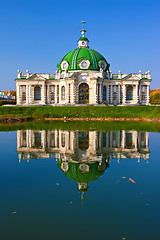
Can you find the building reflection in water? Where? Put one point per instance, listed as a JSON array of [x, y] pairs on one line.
[[82, 155]]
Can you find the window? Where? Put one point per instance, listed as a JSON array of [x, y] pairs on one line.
[[23, 93], [24, 139], [63, 139], [104, 93], [37, 139], [129, 93], [52, 93], [37, 93], [114, 96], [114, 88], [63, 93]]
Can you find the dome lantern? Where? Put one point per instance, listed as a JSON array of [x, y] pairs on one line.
[[83, 41]]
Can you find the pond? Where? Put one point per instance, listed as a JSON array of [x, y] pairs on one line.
[[80, 181]]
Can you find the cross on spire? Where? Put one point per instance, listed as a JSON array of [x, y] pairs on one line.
[[83, 22], [83, 31]]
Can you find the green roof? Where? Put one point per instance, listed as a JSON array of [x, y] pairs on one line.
[[83, 39], [75, 174], [78, 54]]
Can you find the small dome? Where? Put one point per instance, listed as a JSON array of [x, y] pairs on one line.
[[83, 59], [83, 39]]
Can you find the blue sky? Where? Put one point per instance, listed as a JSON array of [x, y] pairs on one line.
[[35, 35]]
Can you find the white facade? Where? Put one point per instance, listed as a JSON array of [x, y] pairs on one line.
[[64, 88]]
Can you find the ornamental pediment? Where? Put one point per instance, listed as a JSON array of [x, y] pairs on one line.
[[84, 77], [131, 77], [37, 77]]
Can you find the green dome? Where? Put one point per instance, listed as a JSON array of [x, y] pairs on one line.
[[75, 56], [83, 39], [77, 175]]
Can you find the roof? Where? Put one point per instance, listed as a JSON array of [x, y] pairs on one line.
[[75, 56], [83, 39]]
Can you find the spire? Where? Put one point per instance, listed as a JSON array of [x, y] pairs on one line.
[[83, 41], [83, 31]]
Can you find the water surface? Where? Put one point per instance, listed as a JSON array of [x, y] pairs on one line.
[[71, 181]]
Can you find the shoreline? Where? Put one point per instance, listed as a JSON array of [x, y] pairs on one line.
[[76, 119], [80, 113]]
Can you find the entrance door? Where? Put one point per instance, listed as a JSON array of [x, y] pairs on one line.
[[83, 93]]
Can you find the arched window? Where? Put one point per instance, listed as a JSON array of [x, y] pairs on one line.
[[129, 93], [83, 139], [83, 93], [63, 93], [104, 93], [37, 93]]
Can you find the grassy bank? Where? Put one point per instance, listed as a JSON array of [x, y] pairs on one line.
[[60, 112], [82, 126]]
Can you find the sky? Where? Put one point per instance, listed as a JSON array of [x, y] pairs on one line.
[[35, 35]]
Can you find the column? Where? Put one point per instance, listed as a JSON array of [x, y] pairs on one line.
[[94, 141], [43, 138], [100, 140], [27, 94], [136, 139], [111, 94], [18, 93], [55, 138], [30, 138], [124, 94], [136, 94], [67, 93], [119, 94], [111, 139], [107, 140], [139, 93], [147, 140], [72, 140], [18, 139], [42, 94], [60, 93], [123, 138], [72, 93], [55, 94], [118, 139], [107, 93], [48, 97], [95, 93], [27, 138], [100, 92], [147, 100]]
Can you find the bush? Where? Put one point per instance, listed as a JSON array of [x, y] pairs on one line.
[[155, 96], [5, 102]]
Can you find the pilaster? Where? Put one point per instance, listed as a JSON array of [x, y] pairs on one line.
[[72, 93], [55, 94], [124, 94], [100, 93], [111, 94], [95, 93], [147, 100], [119, 94], [48, 97], [136, 94], [18, 93]]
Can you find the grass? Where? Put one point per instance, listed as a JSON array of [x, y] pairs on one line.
[[41, 112], [82, 126]]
